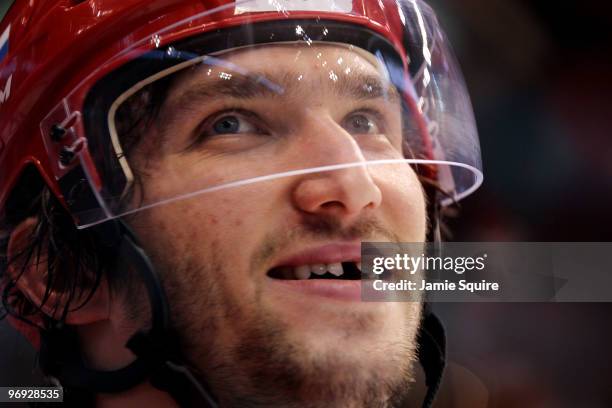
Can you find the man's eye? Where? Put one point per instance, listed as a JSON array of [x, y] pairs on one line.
[[361, 124], [221, 125], [232, 124]]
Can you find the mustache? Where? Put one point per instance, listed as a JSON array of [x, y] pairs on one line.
[[329, 227], [322, 228]]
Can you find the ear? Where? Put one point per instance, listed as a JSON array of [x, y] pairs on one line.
[[31, 280]]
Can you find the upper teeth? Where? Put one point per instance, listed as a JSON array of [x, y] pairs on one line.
[[335, 269], [303, 272], [318, 269]]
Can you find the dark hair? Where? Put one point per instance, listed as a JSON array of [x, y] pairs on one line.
[[55, 238], [76, 259]]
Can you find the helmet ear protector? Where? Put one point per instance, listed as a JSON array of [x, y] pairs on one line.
[[74, 136]]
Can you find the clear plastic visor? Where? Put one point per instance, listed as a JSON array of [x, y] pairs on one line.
[[284, 112]]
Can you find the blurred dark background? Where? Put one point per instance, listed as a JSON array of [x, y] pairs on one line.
[[540, 78]]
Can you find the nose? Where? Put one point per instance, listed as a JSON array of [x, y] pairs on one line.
[[344, 193]]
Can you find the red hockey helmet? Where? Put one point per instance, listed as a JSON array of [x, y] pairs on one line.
[[70, 71]]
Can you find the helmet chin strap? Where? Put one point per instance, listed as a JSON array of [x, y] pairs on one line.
[[432, 353], [432, 336], [158, 358]]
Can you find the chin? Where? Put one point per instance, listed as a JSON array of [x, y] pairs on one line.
[[362, 344], [357, 378]]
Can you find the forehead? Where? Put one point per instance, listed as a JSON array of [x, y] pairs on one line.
[[316, 58], [287, 70]]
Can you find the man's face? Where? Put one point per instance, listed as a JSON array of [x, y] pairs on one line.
[[231, 259]]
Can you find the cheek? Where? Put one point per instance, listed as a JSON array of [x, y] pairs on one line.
[[199, 221], [200, 244], [184, 227], [232, 219]]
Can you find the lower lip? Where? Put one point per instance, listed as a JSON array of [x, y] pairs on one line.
[[347, 290]]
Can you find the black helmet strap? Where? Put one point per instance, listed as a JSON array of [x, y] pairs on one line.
[[432, 353]]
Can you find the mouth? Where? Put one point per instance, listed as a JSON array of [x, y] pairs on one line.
[[332, 271], [348, 270]]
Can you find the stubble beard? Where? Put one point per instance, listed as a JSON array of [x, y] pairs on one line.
[[263, 367]]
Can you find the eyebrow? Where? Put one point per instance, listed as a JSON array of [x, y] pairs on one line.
[[272, 85]]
